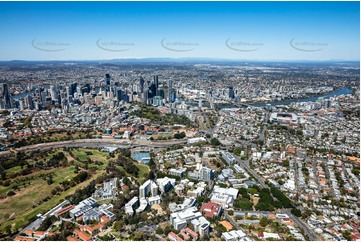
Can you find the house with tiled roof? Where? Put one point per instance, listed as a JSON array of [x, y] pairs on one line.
[[83, 236], [211, 209]]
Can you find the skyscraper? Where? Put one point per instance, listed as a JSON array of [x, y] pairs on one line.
[[170, 91], [119, 94], [6, 96], [29, 102], [230, 92], [156, 82], [107, 79], [141, 84], [53, 93]]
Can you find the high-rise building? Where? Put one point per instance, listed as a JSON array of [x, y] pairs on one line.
[[206, 174], [141, 84], [119, 94], [54, 93], [107, 79], [231, 92], [156, 82], [170, 91], [29, 102], [21, 105], [6, 96], [148, 187], [73, 88]]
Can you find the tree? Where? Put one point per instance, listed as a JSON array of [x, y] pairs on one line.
[[264, 222], [296, 212], [244, 193], [285, 163], [159, 230], [243, 204], [180, 135], [215, 142], [263, 206], [11, 193], [252, 190]]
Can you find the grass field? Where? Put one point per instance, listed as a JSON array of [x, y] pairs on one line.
[[13, 169], [26, 203], [143, 172]]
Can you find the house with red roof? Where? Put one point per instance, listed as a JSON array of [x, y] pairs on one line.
[[83, 236], [23, 238], [191, 233], [211, 209], [71, 238], [174, 237]]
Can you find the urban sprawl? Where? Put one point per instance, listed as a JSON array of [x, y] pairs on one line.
[[179, 151]]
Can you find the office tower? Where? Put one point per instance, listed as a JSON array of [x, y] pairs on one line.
[[6, 96], [73, 87], [107, 80], [36, 106], [156, 82], [200, 103], [21, 105], [29, 102], [43, 97], [119, 94], [161, 93], [68, 93], [141, 84], [169, 91], [230, 92], [152, 91], [53, 93], [85, 88]]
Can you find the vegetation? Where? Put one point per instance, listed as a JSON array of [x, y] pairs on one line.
[[41, 180], [154, 115], [282, 198], [215, 142], [243, 204], [179, 135]]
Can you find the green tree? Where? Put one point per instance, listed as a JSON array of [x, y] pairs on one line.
[[243, 204], [215, 142], [263, 222], [296, 212]]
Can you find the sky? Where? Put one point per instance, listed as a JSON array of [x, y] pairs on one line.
[[230, 30]]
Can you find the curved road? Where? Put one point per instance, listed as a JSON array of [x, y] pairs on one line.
[[95, 143]]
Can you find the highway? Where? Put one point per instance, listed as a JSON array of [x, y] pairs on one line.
[[95, 143]]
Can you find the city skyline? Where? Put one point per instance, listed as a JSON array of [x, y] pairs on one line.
[[291, 31]]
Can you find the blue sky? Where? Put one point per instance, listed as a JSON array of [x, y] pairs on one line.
[[234, 30]]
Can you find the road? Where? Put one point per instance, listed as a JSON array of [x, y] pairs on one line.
[[310, 234], [234, 223], [245, 166], [95, 143]]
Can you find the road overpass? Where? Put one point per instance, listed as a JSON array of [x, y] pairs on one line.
[[94, 143]]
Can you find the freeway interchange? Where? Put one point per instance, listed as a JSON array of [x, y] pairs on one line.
[[94, 143]]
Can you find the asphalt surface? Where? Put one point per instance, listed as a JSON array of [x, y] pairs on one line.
[[95, 143]]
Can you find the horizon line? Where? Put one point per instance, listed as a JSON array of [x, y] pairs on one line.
[[186, 59]]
